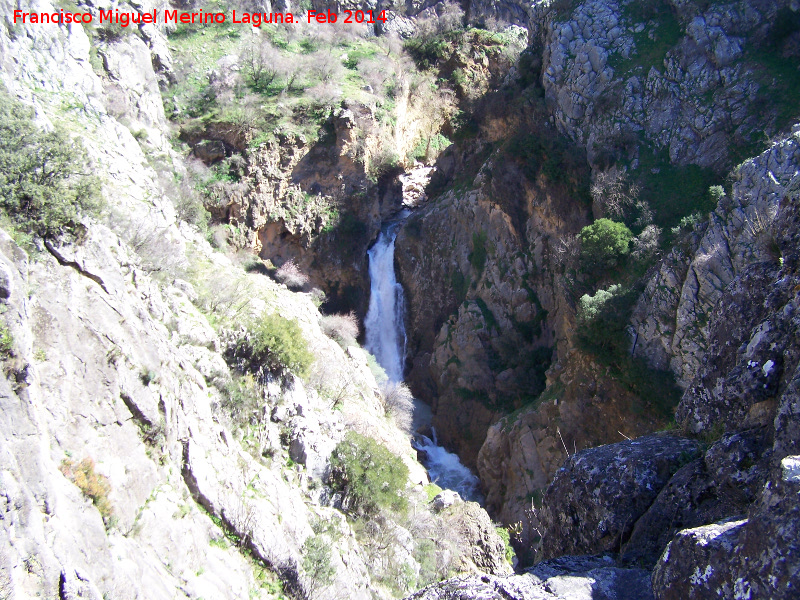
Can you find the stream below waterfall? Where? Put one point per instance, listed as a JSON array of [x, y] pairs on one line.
[[386, 339]]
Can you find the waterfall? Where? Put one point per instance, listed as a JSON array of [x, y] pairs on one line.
[[385, 331], [386, 340]]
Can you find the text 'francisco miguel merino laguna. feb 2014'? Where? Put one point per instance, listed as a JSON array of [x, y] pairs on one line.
[[124, 19]]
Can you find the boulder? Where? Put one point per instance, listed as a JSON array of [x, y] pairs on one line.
[[596, 498], [446, 499]]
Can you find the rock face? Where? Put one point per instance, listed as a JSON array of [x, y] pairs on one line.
[[597, 87], [724, 524], [573, 578], [672, 316], [523, 451], [594, 500], [671, 71], [485, 551]]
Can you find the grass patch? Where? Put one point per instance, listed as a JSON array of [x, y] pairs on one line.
[[666, 32]]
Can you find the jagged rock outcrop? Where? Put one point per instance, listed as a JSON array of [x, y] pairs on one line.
[[477, 312], [726, 524], [672, 316], [598, 89], [674, 71], [523, 451], [594, 500], [572, 578]]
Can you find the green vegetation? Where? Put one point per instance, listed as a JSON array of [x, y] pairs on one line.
[[591, 306], [6, 342], [602, 332], [44, 186], [93, 485], [509, 550], [432, 146], [316, 553], [662, 33], [546, 154], [241, 398], [431, 491], [673, 192], [604, 244], [291, 77], [477, 258], [369, 476], [487, 314], [272, 345], [460, 286]]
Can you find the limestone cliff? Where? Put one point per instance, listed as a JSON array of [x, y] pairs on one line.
[[136, 461]]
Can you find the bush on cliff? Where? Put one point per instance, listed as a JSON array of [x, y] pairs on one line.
[[44, 184], [604, 244], [369, 476], [271, 345]]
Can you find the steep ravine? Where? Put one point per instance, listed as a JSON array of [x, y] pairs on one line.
[[136, 461]]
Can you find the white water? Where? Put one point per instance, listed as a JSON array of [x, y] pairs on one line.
[[446, 470], [386, 334], [386, 340]]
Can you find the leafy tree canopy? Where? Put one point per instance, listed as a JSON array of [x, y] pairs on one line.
[[604, 244], [44, 187]]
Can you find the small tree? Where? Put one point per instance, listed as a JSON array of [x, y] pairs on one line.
[[271, 345], [368, 474], [44, 186], [604, 244], [317, 564]]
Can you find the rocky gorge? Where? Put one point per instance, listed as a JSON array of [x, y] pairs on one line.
[[631, 414]]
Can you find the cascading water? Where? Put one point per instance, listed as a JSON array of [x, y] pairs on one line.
[[446, 470], [386, 333], [386, 340]]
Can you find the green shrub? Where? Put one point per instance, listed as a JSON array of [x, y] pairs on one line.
[[590, 306], [272, 345], [369, 476], [715, 193], [316, 553], [241, 398], [506, 537], [603, 332], [43, 185], [604, 244]]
